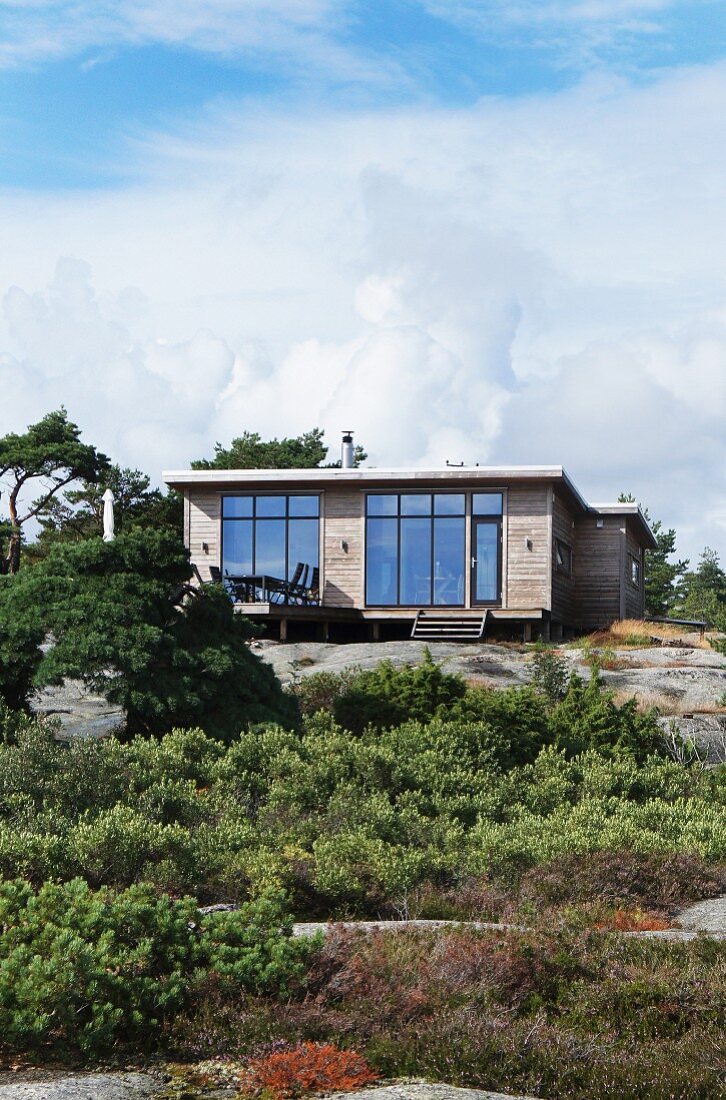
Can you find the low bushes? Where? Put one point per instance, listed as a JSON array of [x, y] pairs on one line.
[[559, 709], [89, 970], [381, 697], [383, 823]]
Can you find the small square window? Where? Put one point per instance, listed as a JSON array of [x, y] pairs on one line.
[[486, 504], [449, 504], [236, 507], [270, 506], [563, 557], [382, 504], [304, 506], [416, 504]]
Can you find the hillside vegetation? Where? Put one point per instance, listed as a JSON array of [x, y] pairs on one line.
[[397, 793]]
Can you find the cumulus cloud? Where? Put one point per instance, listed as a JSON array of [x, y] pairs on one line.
[[135, 394], [528, 281]]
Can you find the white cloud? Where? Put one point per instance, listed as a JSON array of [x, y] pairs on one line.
[[572, 34], [538, 280], [306, 37], [530, 13]]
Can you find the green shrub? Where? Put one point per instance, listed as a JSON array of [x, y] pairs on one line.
[[320, 690], [587, 718], [386, 696], [367, 823], [119, 624], [550, 672], [90, 970]]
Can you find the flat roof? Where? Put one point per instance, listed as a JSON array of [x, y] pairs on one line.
[[180, 479]]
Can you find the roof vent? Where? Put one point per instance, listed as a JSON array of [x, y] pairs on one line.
[[347, 451]]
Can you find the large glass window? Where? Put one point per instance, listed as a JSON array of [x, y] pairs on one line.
[[269, 535], [415, 549]]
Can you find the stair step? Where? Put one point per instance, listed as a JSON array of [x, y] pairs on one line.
[[449, 628]]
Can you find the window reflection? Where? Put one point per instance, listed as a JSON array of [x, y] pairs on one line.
[[486, 504], [449, 536], [415, 556], [269, 535], [486, 571], [382, 561]]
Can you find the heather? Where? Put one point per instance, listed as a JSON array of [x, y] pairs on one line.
[[554, 1015]]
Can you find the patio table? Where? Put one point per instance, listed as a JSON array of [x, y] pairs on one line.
[[247, 586]]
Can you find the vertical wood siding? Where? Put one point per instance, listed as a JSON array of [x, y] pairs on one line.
[[634, 597]]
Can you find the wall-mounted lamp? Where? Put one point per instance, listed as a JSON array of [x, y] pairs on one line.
[[205, 547], [344, 546], [528, 544], [599, 522]]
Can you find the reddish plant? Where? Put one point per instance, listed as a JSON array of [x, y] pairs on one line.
[[633, 920], [306, 1068]]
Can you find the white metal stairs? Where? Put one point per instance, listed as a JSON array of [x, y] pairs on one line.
[[435, 626]]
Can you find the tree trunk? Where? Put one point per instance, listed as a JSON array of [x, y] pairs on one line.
[[11, 563]]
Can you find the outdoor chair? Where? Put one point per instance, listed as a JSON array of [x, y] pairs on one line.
[[312, 592], [216, 578], [298, 584]]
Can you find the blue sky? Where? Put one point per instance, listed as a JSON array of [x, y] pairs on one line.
[[480, 230], [75, 87]]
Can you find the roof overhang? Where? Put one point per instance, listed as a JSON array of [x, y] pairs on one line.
[[371, 475], [225, 480], [630, 511]]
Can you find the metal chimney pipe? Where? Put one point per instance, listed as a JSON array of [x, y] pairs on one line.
[[347, 451]]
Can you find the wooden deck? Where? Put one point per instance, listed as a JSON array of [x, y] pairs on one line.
[[324, 617]]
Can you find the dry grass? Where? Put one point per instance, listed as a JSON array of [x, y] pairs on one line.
[[667, 704], [639, 634], [670, 705], [633, 631]]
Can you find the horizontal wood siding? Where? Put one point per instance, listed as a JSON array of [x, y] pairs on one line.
[[564, 599], [634, 597], [526, 572], [343, 567], [204, 526], [598, 570]]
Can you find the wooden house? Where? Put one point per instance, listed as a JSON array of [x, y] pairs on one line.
[[448, 553]]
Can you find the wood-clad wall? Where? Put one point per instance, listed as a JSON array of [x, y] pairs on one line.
[[564, 597], [599, 591], [526, 576], [598, 569], [204, 512], [634, 597], [343, 584]]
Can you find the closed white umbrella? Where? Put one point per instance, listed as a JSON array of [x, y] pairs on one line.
[[108, 516]]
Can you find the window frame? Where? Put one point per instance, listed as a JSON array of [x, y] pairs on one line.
[[286, 517], [398, 516], [567, 569], [635, 572]]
